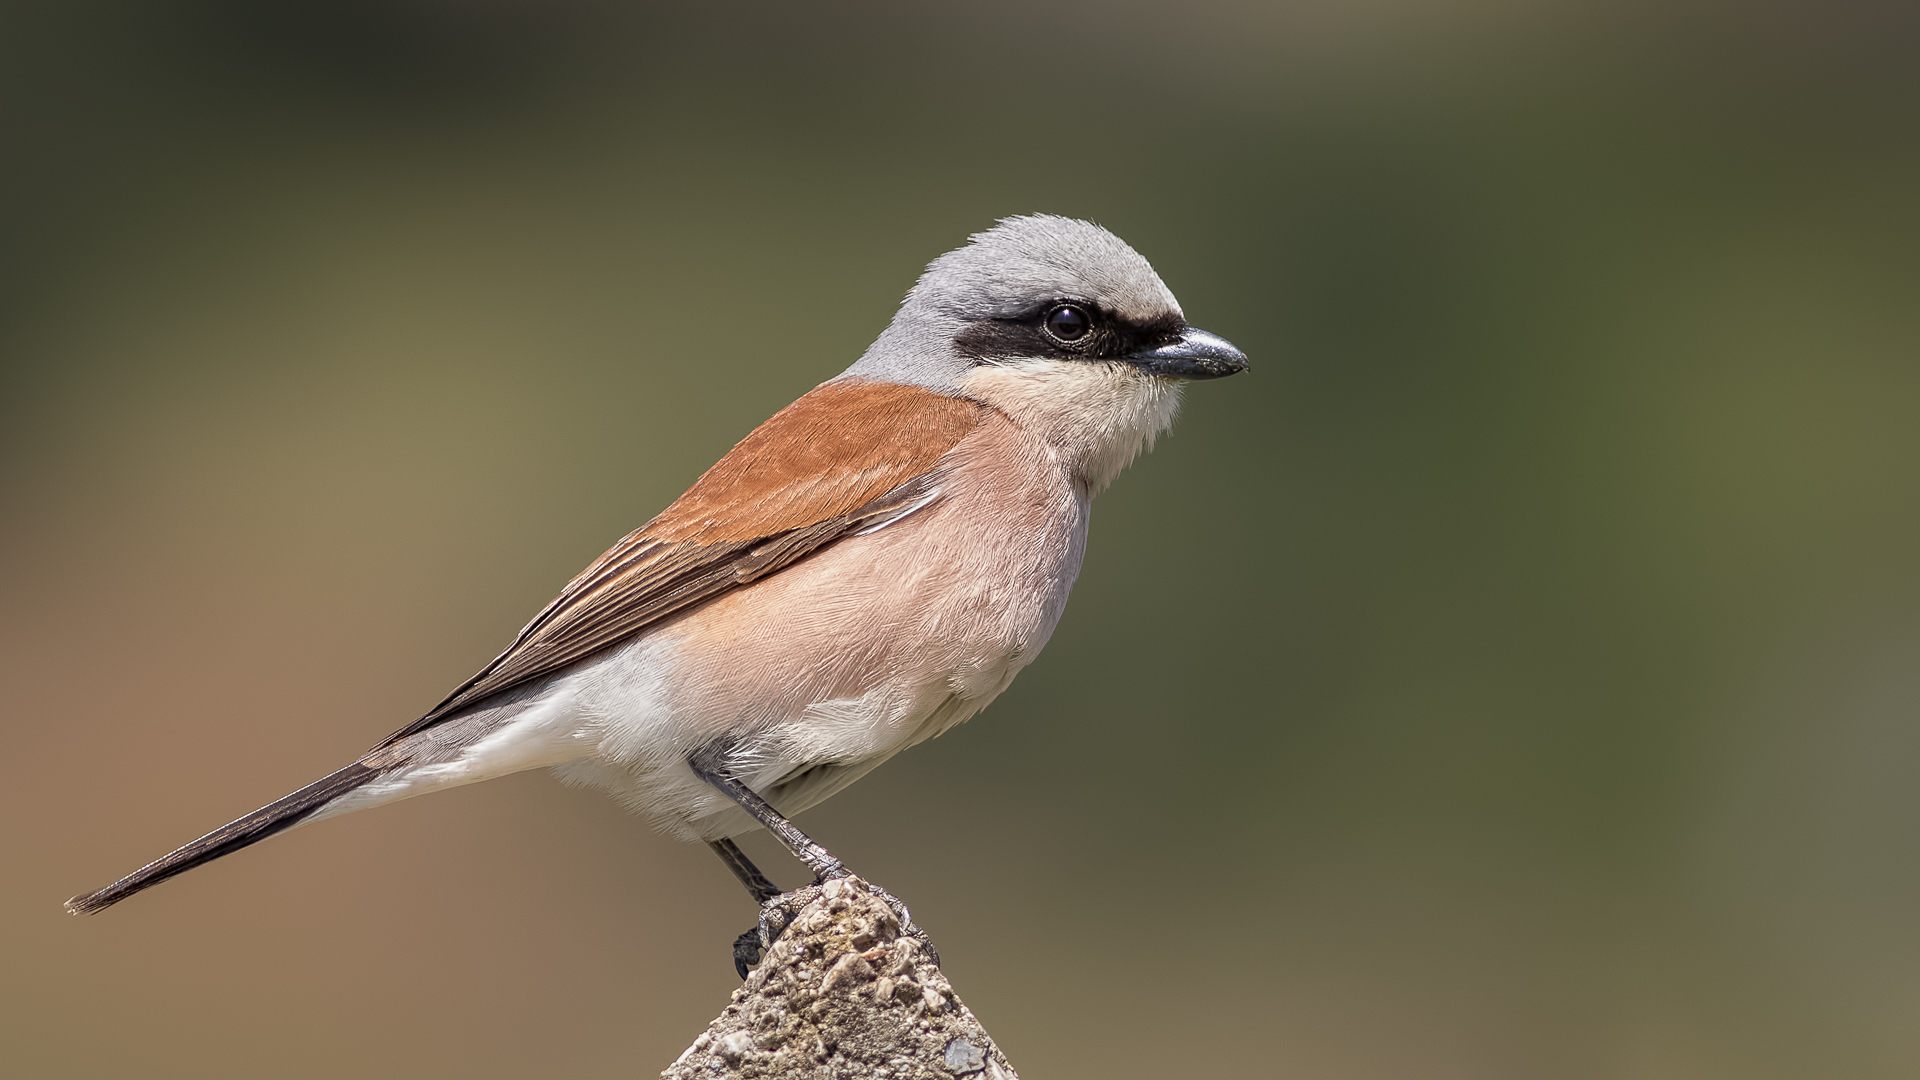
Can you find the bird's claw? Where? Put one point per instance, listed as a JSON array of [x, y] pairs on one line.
[[775, 916], [779, 912], [746, 952], [907, 926]]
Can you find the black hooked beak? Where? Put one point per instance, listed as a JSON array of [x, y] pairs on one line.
[[1196, 354]]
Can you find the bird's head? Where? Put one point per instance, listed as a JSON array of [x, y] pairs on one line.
[[1042, 288], [1060, 324]]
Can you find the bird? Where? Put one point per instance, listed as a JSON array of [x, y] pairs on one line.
[[865, 570]]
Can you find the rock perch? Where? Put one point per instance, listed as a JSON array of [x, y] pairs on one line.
[[843, 995]]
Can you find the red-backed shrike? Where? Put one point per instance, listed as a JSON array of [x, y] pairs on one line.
[[865, 570]]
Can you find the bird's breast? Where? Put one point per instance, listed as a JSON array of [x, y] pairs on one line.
[[877, 641], [948, 596], [815, 674]]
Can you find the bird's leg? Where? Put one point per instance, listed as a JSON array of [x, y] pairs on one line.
[[816, 858], [746, 948], [775, 912], [743, 868]]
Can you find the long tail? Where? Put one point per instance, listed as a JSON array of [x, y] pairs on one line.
[[275, 817]]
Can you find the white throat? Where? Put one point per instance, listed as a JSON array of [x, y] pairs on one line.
[[1097, 416]]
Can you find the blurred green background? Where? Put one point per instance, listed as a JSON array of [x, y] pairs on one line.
[[1516, 675]]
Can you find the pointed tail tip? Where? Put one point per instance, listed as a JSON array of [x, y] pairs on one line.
[[275, 817]]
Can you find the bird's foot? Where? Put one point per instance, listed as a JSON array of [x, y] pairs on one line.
[[908, 927], [747, 952], [776, 914], [779, 913]]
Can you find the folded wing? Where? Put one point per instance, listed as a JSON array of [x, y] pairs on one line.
[[847, 457]]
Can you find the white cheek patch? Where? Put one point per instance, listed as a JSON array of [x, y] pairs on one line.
[[1099, 415]]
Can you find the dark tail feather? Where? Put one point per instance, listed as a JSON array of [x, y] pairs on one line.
[[255, 827]]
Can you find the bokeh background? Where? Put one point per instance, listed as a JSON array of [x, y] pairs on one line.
[[1516, 675]]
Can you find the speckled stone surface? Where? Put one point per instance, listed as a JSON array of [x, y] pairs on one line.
[[843, 994]]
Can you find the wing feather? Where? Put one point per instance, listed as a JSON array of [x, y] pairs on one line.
[[848, 457]]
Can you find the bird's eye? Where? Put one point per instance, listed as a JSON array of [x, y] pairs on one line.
[[1068, 323]]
